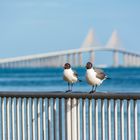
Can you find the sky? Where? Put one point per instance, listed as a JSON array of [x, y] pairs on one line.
[[42, 26]]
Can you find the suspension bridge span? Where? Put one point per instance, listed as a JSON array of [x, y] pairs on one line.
[[75, 56]]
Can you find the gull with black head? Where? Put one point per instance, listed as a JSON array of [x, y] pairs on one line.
[[70, 76], [94, 76]]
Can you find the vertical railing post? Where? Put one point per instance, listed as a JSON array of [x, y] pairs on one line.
[[122, 119], [40, 119], [24, 119], [0, 118], [69, 133], [136, 120], [109, 120], [96, 119], [129, 120], [63, 119], [9, 118], [74, 119], [80, 119], [46, 119], [57, 120], [116, 120], [19, 119], [14, 118], [86, 119], [35, 124], [4, 118], [51, 119], [92, 119], [29, 119], [103, 119]]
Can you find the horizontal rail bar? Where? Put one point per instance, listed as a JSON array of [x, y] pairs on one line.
[[77, 95]]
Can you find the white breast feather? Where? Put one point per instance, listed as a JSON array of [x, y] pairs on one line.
[[69, 76], [91, 77]]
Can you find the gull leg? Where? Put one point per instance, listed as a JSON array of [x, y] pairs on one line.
[[95, 89], [92, 90], [71, 87], [68, 88]]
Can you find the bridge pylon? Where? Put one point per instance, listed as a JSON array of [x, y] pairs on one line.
[[90, 40], [114, 41]]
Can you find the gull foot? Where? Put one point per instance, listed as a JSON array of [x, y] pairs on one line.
[[68, 91], [92, 91]]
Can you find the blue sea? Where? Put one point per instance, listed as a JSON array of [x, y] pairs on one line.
[[51, 79]]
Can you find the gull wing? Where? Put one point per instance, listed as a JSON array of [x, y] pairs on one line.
[[75, 74], [100, 73]]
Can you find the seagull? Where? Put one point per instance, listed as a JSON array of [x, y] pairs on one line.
[[94, 76], [70, 76]]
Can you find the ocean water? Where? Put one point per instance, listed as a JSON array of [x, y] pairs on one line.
[[51, 79]]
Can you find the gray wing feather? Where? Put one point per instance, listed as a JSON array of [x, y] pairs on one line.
[[75, 74], [98, 70], [100, 73]]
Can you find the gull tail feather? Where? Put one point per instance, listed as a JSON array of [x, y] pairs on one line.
[[107, 77], [79, 80]]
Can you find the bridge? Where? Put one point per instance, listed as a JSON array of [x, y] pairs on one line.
[[75, 56]]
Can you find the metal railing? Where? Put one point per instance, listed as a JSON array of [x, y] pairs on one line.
[[76, 116]]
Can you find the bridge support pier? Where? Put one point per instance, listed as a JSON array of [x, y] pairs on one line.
[[63, 60], [7, 65], [80, 59], [58, 61], [125, 60], [37, 63], [138, 61], [116, 59], [51, 61], [134, 60], [68, 58], [74, 59], [130, 60], [92, 56]]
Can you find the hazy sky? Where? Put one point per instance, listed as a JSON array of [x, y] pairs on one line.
[[37, 26]]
